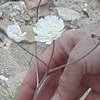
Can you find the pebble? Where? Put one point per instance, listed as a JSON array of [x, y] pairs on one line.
[[34, 3], [1, 14], [26, 17], [68, 14]]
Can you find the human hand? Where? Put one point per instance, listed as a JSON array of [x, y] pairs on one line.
[[71, 83]]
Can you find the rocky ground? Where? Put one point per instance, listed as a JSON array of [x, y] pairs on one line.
[[14, 61]]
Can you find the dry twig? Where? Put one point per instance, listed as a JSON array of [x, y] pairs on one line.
[[38, 9]]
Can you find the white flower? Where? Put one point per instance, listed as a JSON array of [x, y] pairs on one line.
[[48, 29], [14, 32], [3, 78]]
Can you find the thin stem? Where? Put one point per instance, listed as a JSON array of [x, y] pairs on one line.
[[42, 82], [38, 9], [4, 32], [31, 53], [37, 67], [51, 57], [38, 91], [30, 61]]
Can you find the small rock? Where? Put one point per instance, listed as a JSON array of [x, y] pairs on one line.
[[34, 3], [3, 78], [5, 43], [29, 33], [93, 4], [68, 14], [81, 22], [20, 6], [31, 12], [0, 14], [13, 8], [19, 19], [85, 4], [2, 2], [4, 23], [26, 17]]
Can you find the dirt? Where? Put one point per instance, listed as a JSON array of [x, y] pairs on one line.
[[14, 61]]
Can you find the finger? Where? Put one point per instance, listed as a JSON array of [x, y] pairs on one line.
[[74, 73], [93, 96], [69, 83]]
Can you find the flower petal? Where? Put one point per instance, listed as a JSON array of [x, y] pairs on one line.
[[14, 32], [48, 29]]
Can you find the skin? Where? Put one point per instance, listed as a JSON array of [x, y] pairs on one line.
[[75, 79]]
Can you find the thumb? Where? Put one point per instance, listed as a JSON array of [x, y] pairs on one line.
[[69, 83]]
